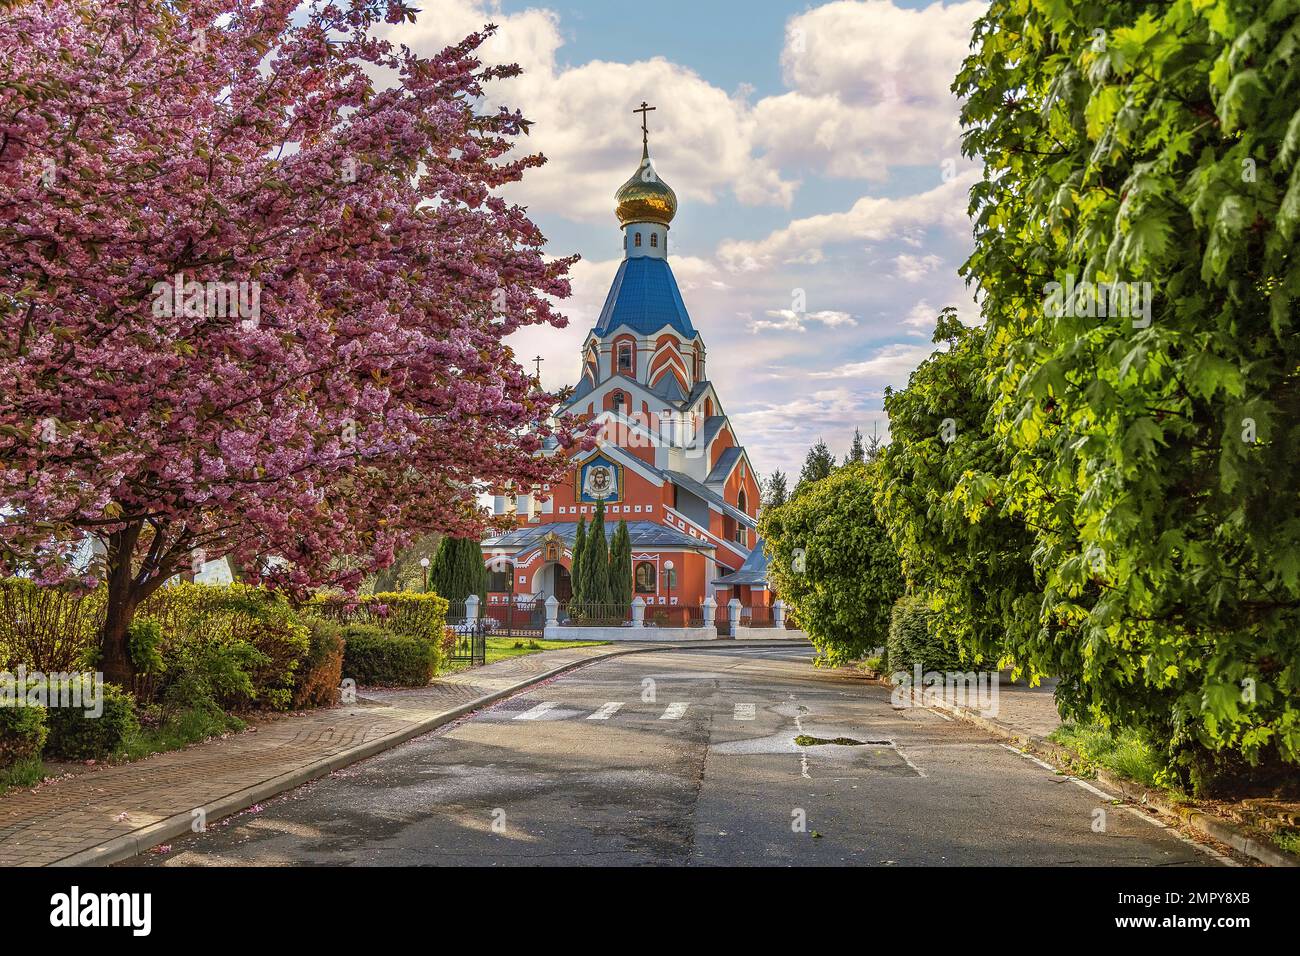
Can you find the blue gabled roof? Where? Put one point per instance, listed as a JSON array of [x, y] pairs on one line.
[[726, 461], [645, 298]]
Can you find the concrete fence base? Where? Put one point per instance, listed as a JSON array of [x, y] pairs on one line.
[[562, 632]]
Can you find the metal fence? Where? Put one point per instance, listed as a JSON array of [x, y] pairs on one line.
[[587, 614], [467, 637], [757, 616], [674, 615]]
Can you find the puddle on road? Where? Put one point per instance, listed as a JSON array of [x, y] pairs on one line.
[[804, 740]]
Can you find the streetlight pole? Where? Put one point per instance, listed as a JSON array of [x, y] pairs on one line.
[[424, 568]]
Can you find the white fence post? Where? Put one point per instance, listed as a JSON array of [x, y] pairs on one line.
[[778, 613], [552, 611], [471, 609], [638, 611]]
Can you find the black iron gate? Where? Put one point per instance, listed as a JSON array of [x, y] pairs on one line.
[[469, 636]]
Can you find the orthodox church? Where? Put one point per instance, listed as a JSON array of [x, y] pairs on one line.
[[667, 459]]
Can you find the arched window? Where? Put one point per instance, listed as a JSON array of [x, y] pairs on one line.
[[654, 239], [638, 239], [618, 403], [742, 502], [625, 357], [645, 577]]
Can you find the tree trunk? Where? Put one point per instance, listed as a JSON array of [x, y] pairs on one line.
[[115, 658]]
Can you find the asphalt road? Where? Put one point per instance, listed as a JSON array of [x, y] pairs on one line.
[[697, 764]]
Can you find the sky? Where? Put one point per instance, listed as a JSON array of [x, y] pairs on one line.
[[814, 150]]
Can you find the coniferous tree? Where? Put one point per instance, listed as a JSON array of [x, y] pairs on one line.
[[620, 567], [774, 490], [575, 564], [457, 569], [595, 561], [857, 451], [817, 465]]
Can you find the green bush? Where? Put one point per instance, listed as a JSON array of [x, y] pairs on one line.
[[76, 736], [914, 639], [407, 613], [203, 615], [22, 733], [49, 629], [212, 676], [372, 655], [321, 672]]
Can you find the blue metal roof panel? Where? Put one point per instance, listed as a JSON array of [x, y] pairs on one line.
[[644, 297]]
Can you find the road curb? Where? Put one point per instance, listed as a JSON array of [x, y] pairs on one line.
[[132, 844], [1225, 831]]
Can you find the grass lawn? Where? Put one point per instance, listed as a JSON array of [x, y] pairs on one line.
[[501, 648]]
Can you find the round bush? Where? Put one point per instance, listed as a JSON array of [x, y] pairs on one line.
[[76, 736], [913, 639], [22, 733]]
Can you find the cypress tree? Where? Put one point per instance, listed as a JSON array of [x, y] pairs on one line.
[[620, 567], [575, 564], [457, 570], [595, 561]]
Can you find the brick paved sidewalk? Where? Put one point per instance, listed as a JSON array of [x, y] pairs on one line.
[[67, 816], [111, 813]]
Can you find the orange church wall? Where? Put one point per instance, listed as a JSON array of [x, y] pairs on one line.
[[721, 443]]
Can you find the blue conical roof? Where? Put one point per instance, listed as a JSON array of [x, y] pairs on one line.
[[645, 298]]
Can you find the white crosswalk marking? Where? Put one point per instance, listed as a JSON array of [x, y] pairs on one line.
[[606, 711], [539, 711], [674, 711], [744, 712]]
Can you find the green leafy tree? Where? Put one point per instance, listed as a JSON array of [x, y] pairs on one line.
[[1153, 435], [818, 464], [774, 490], [942, 498], [405, 573], [620, 566], [831, 560], [457, 570]]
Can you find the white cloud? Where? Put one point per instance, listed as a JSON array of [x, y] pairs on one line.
[[788, 320], [869, 88], [870, 219], [890, 365], [911, 268], [584, 122]]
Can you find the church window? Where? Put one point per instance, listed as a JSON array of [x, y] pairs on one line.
[[618, 403], [645, 578], [742, 502], [625, 357], [638, 239], [654, 239], [498, 581]]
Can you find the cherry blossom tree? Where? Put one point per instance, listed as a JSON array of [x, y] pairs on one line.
[[255, 274]]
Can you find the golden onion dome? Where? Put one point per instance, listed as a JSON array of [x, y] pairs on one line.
[[645, 197]]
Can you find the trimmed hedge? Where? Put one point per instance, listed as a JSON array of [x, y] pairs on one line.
[[76, 736], [372, 655], [22, 733], [407, 613], [913, 639]]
